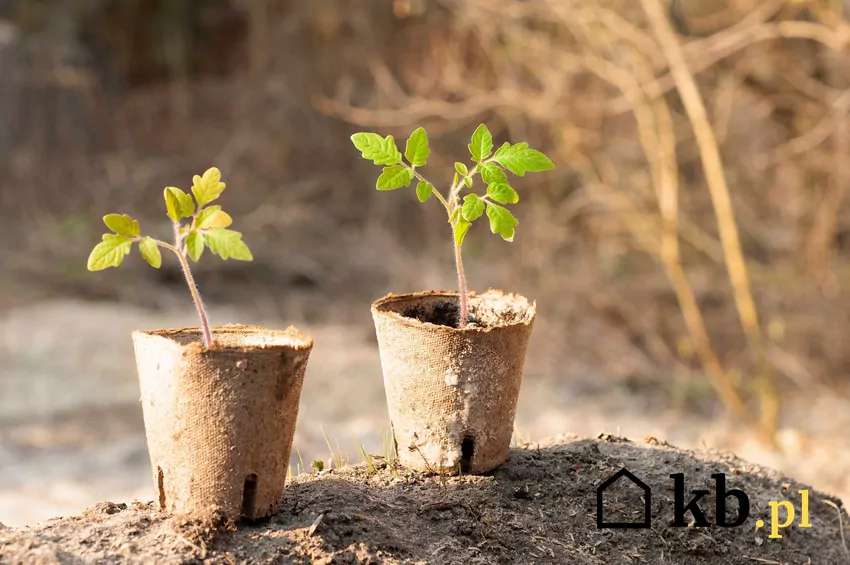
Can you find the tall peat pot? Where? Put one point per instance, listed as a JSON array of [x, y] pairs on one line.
[[220, 421], [452, 393]]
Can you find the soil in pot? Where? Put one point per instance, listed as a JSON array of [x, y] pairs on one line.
[[451, 392], [220, 421]]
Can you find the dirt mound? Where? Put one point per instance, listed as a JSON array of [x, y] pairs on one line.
[[540, 507]]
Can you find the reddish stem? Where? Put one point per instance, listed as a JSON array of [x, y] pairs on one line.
[[193, 288], [461, 280], [199, 306]]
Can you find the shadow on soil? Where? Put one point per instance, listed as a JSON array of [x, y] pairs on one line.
[[539, 507]]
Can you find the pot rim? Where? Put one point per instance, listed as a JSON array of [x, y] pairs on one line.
[[289, 339], [413, 322]]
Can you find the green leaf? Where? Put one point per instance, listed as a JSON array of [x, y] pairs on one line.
[[473, 207], [417, 149], [122, 224], [150, 251], [424, 190], [220, 220], [502, 193], [454, 214], [208, 187], [467, 181], [520, 158], [195, 245], [461, 169], [491, 172], [502, 222], [394, 177], [212, 217], [392, 152], [178, 203], [109, 253], [481, 144], [379, 150], [228, 244], [461, 227]]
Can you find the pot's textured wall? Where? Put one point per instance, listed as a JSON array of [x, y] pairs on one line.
[[220, 422], [451, 393]]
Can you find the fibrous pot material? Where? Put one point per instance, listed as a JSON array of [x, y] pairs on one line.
[[220, 421], [452, 393]]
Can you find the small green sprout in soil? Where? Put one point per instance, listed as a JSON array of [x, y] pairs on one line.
[[206, 227], [518, 158]]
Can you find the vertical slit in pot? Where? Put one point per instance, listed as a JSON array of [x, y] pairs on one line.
[[249, 494], [160, 485], [467, 449]]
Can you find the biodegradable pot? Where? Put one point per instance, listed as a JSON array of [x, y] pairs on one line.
[[220, 421], [452, 393]]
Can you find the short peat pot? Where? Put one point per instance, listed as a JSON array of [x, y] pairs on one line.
[[452, 361], [220, 420], [452, 392]]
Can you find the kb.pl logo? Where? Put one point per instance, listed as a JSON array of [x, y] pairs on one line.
[[682, 506]]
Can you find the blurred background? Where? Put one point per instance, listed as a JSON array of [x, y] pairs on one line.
[[690, 254]]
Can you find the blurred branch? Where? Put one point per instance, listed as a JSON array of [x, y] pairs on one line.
[[726, 224]]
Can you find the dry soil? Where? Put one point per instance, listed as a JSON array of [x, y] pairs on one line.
[[540, 507]]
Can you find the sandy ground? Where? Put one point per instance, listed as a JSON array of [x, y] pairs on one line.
[[71, 431]]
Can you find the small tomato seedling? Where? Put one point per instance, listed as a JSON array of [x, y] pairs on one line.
[[206, 227], [489, 166]]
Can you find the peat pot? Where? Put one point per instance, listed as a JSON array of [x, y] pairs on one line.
[[220, 421], [452, 393]]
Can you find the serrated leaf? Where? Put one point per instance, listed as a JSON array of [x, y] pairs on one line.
[[195, 245], [473, 207], [520, 158], [178, 204], [379, 150], [208, 187], [228, 244], [122, 224], [369, 144], [394, 177], [424, 190], [502, 222], [460, 230], [502, 193], [461, 169], [417, 150], [491, 172], [392, 152], [501, 150], [150, 251], [108, 253], [481, 144], [212, 217]]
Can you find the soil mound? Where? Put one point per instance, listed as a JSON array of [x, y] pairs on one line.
[[539, 507]]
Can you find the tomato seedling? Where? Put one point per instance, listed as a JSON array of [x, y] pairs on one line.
[[206, 227], [518, 159]]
